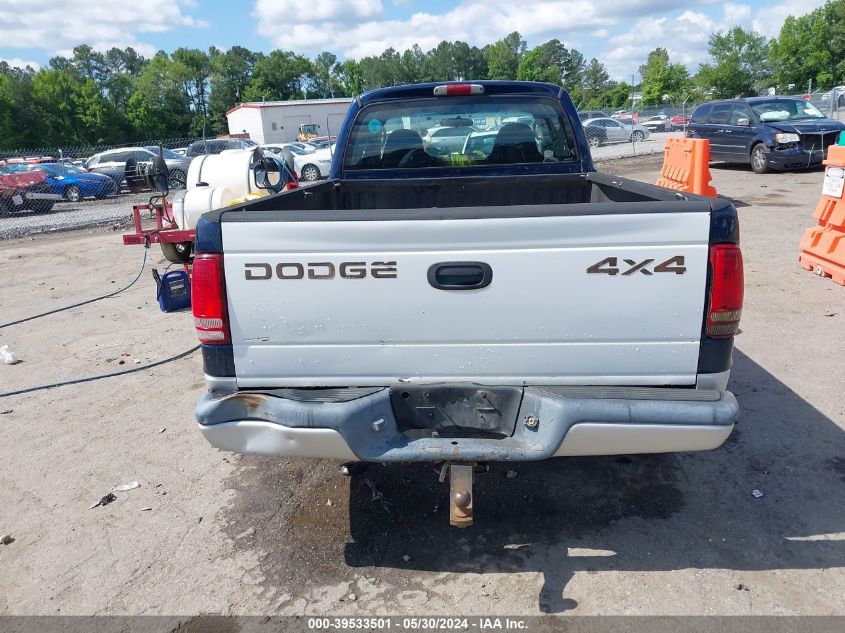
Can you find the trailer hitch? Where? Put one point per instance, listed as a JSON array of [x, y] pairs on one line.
[[460, 492]]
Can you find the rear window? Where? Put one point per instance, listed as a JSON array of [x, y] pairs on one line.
[[721, 113], [459, 131], [206, 147], [700, 115]]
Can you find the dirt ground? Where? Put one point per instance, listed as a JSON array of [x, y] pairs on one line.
[[210, 532]]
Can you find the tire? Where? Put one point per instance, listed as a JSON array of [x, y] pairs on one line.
[[177, 180], [310, 173], [177, 252], [840, 103], [637, 136], [72, 193], [5, 208], [594, 141], [42, 206], [759, 162]]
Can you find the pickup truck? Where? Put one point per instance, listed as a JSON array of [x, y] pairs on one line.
[[423, 304]]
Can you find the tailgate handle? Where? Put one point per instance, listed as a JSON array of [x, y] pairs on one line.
[[460, 275]]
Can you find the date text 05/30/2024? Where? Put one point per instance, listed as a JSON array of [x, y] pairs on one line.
[[419, 624]]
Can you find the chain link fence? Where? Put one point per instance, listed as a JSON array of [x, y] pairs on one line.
[[830, 102], [63, 187]]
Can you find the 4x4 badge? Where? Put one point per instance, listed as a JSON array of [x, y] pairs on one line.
[[610, 266]]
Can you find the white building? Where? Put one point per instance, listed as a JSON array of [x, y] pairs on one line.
[[279, 121]]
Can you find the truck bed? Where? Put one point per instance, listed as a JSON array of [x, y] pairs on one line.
[[492, 193], [555, 312]]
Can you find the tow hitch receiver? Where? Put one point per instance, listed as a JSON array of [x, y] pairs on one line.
[[460, 493]]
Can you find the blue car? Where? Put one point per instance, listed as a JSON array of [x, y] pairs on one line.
[[71, 182], [769, 133]]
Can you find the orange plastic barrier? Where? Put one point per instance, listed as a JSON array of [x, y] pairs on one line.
[[686, 166], [823, 246]]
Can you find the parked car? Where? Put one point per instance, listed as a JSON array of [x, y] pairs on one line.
[[448, 137], [297, 149], [658, 123], [765, 132], [625, 116], [480, 144], [112, 163], [474, 312], [321, 142], [835, 94], [71, 182], [679, 121], [25, 190], [583, 115], [217, 145], [607, 130], [314, 166]]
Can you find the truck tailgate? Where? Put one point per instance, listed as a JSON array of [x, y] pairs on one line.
[[316, 302]]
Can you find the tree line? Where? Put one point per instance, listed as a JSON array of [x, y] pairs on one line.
[[118, 96]]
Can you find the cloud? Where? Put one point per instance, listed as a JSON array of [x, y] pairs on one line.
[[57, 27], [297, 12], [359, 32], [685, 36], [769, 20], [17, 62]]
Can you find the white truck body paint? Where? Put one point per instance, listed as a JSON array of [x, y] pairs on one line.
[[542, 320]]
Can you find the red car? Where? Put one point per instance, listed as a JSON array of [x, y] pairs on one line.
[[679, 121], [20, 190]]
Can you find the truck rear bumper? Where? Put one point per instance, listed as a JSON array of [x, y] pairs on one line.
[[359, 424]]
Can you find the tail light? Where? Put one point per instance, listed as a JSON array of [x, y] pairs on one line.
[[208, 300], [458, 90], [726, 291]]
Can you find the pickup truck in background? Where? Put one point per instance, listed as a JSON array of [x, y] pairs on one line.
[[506, 304]]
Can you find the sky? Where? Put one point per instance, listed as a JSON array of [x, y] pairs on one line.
[[619, 33]]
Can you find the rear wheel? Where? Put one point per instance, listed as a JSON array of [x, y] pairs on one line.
[[310, 173], [72, 193], [42, 206], [176, 252], [759, 162], [637, 136], [840, 103], [6, 207], [594, 141]]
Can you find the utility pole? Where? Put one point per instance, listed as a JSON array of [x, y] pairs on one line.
[[632, 93]]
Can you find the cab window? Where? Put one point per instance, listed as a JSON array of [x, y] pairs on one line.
[[459, 132]]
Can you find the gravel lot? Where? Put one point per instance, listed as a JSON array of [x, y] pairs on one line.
[[652, 145], [210, 532], [72, 215]]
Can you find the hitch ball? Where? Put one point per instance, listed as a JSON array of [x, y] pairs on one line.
[[462, 499]]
